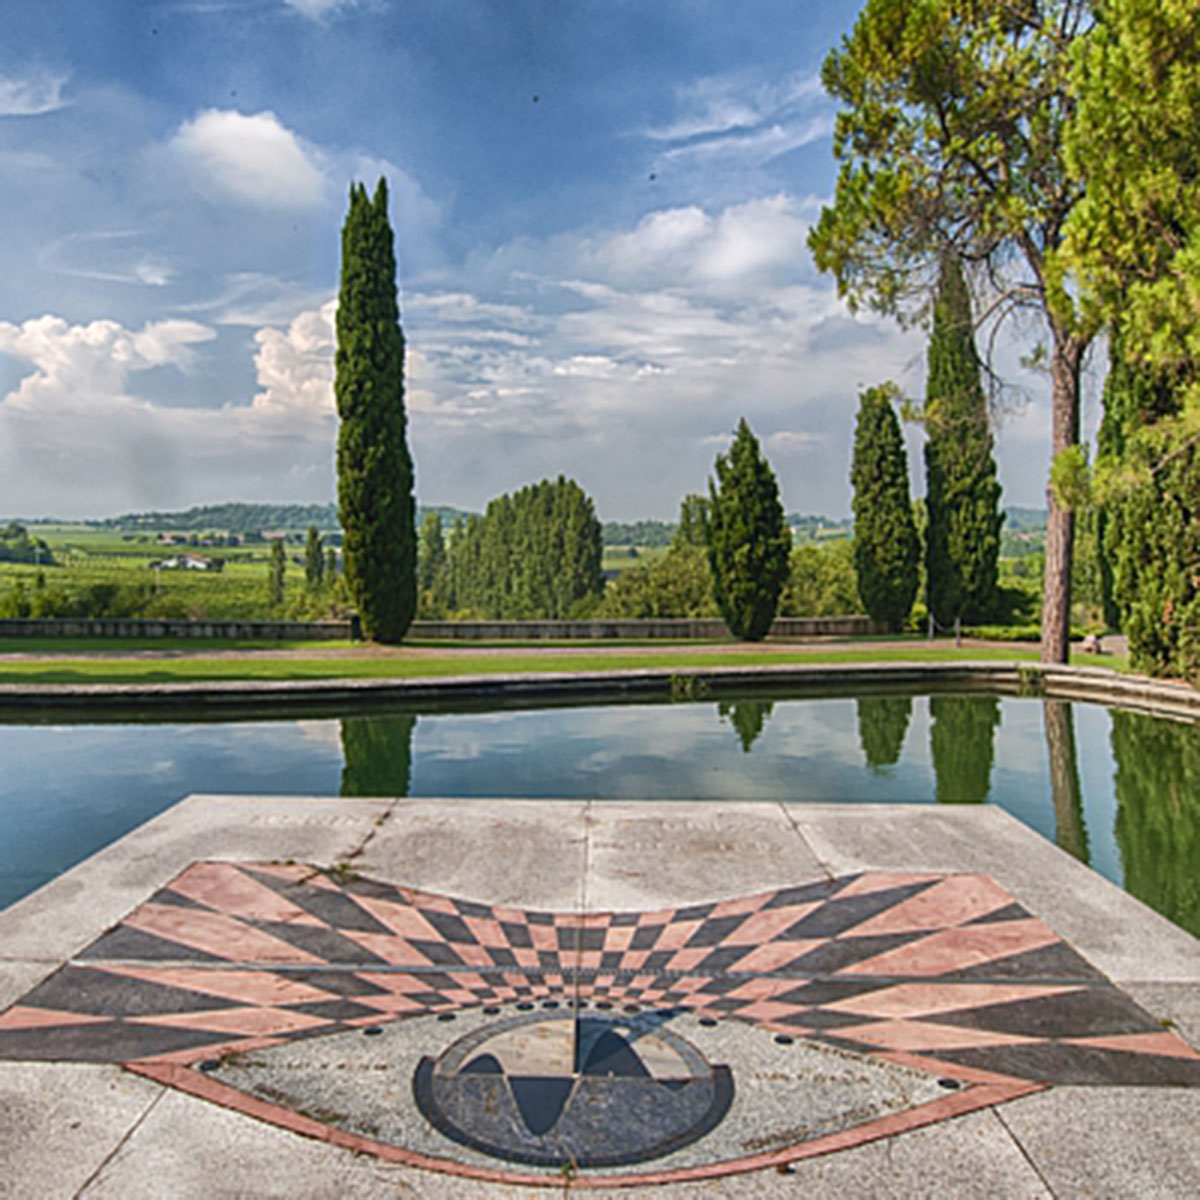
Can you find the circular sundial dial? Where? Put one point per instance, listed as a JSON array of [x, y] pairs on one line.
[[591, 1090]]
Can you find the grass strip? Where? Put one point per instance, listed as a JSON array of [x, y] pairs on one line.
[[192, 670]]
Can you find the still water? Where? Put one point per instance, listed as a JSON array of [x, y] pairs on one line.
[[1119, 790]]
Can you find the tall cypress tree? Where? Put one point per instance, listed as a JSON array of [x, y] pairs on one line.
[[886, 548], [748, 541], [375, 471], [962, 542]]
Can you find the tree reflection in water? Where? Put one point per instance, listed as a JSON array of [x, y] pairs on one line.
[[747, 717], [882, 728], [377, 755], [1158, 813], [962, 746], [1065, 793]]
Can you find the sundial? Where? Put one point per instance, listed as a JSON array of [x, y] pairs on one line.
[[530, 1046]]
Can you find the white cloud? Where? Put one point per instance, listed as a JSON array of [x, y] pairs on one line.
[[73, 438], [253, 159], [753, 148], [295, 367], [316, 9], [737, 121], [36, 93]]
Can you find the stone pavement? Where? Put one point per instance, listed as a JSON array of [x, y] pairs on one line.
[[254, 996]]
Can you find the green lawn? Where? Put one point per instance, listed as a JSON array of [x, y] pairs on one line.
[[462, 662]]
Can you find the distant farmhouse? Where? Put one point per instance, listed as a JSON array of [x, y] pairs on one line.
[[186, 562]]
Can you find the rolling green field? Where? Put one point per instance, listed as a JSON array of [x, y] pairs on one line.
[[86, 557]]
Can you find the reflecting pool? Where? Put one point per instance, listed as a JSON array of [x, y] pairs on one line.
[[1119, 790]]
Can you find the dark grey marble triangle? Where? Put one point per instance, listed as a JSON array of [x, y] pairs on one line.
[[1055, 962], [101, 993], [324, 943], [840, 916], [105, 1041], [806, 893], [1064, 1064], [1010, 912], [1092, 1012], [840, 953], [133, 944]]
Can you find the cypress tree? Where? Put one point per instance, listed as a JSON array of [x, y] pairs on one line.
[[314, 560], [962, 746], [375, 471], [882, 728], [275, 572], [962, 544], [748, 542], [886, 549]]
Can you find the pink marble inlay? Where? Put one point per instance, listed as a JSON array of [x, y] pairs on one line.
[[255, 1020], [925, 999], [765, 925], [223, 887], [248, 987], [21, 1016], [954, 901], [924, 1035], [214, 933], [956, 949], [1166, 1043]]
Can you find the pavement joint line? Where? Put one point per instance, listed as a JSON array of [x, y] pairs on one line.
[[1022, 1151], [791, 820], [121, 1143]]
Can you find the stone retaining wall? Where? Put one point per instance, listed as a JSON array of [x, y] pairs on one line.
[[144, 627], [152, 627]]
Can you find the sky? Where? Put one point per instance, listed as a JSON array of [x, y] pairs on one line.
[[601, 210]]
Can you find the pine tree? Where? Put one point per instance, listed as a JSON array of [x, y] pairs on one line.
[[375, 471], [314, 560], [886, 549], [748, 541], [962, 541]]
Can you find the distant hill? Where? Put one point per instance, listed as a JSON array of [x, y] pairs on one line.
[[1024, 520], [247, 518]]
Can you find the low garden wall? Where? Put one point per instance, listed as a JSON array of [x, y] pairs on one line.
[[147, 627], [157, 627]]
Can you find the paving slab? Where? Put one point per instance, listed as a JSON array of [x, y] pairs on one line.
[[523, 852], [1141, 1142], [60, 1122], [646, 853], [17, 976], [1123, 937]]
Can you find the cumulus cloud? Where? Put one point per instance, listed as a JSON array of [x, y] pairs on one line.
[[32, 94], [252, 159], [73, 438], [629, 357]]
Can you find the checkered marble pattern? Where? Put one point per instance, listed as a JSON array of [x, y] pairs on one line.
[[944, 972]]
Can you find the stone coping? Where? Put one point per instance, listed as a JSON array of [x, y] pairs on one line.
[[223, 698]]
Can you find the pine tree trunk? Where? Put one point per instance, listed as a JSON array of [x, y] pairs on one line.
[[1065, 356]]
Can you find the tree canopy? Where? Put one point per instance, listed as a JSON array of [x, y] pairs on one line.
[[748, 541], [535, 553], [886, 549], [951, 138], [375, 471], [962, 501], [1133, 240]]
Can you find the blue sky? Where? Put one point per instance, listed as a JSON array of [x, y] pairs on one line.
[[601, 208]]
